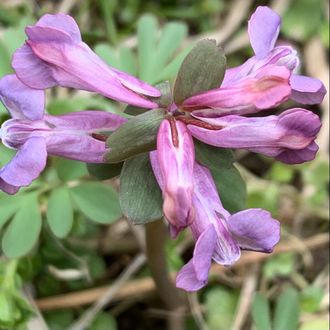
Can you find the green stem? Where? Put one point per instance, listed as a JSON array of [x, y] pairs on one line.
[[156, 235]]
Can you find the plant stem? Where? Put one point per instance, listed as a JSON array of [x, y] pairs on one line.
[[156, 234]]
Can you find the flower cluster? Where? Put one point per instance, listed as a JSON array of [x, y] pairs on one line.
[[55, 55]]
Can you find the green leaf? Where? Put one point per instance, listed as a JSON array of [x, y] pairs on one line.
[[8, 206], [104, 171], [221, 306], [310, 299], [231, 188], [146, 31], [203, 69], [60, 212], [156, 55], [140, 196], [279, 265], [68, 169], [136, 136], [213, 157], [261, 313], [230, 185], [170, 39], [23, 231], [97, 201], [303, 19], [287, 311]]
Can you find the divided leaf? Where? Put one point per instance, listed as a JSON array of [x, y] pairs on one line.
[[140, 196], [202, 69], [156, 53], [60, 212], [287, 311], [23, 231], [97, 201], [260, 312]]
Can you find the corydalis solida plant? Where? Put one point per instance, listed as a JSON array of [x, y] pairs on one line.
[[208, 103]]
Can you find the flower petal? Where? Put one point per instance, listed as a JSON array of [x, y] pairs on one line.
[[28, 163], [76, 146], [266, 89], [21, 101], [186, 278], [254, 229], [307, 90], [209, 210], [88, 120], [56, 47], [299, 156], [175, 152], [31, 70], [294, 130], [194, 275], [203, 252], [263, 29], [61, 22]]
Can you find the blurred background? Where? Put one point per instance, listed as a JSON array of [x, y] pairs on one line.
[[65, 235]]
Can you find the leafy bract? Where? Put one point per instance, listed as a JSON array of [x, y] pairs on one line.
[[140, 196]]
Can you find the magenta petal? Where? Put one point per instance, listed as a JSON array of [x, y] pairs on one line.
[[28, 163], [307, 90], [194, 274], [8, 188], [61, 22], [263, 29], [80, 147], [20, 100], [294, 130], [186, 278], [55, 55], [254, 229], [88, 120], [203, 252], [31, 70], [227, 251], [266, 89], [175, 152], [298, 156]]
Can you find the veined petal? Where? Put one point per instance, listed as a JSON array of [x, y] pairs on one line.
[[21, 101], [268, 88], [263, 29], [26, 166], [254, 229], [55, 46], [293, 130], [209, 210], [175, 152], [307, 90]]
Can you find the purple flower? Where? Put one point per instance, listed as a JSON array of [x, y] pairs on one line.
[[221, 236], [262, 81], [288, 137], [54, 54], [175, 156], [218, 235], [35, 134]]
